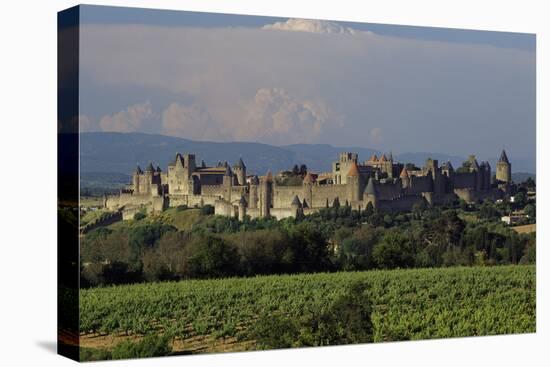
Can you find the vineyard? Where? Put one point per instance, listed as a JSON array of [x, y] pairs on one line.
[[406, 305]]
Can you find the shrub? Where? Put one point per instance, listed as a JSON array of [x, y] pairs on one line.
[[207, 210], [149, 346], [346, 321], [139, 216]]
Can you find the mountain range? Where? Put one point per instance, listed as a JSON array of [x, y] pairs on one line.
[[104, 153]]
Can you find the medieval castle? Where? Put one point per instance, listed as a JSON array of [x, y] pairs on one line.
[[386, 184]]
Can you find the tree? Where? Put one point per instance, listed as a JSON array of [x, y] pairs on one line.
[[531, 211], [210, 257], [395, 251]]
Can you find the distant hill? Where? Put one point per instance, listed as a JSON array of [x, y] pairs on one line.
[[118, 153], [522, 176]]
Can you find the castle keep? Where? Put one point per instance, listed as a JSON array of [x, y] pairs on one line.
[[384, 183]]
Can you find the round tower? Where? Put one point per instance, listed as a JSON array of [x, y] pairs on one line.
[[135, 179], [227, 183], [354, 184], [371, 195], [307, 184], [504, 169], [266, 185], [253, 196]]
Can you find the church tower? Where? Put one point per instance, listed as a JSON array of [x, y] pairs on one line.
[[504, 169]]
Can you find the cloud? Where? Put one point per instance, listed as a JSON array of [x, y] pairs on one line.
[[311, 26], [273, 116], [128, 120], [86, 123], [190, 122], [479, 95]]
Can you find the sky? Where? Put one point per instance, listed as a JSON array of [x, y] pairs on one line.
[[218, 77]]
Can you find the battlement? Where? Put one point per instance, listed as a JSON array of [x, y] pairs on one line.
[[385, 183]]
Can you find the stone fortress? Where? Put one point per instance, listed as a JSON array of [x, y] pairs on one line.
[[386, 184]]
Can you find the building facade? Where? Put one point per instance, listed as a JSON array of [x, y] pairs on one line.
[[385, 184]]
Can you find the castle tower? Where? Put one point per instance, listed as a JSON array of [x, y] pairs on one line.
[[253, 194], [307, 185], [432, 165], [448, 169], [227, 183], [296, 207], [504, 169], [487, 178], [177, 179], [242, 208], [405, 178], [354, 184], [266, 186], [239, 169], [136, 178], [190, 164], [371, 194], [149, 172], [342, 166], [386, 165]]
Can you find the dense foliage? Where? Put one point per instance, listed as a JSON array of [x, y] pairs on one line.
[[321, 309], [336, 238]]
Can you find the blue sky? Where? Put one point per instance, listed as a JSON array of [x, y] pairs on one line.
[[223, 77]]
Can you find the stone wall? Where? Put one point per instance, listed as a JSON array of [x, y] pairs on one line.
[[464, 180], [323, 193], [283, 195]]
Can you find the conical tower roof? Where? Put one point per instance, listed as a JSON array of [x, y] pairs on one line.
[[138, 170], [371, 189], [158, 169], [240, 164], [150, 168], [304, 204], [354, 170], [373, 158], [503, 157], [383, 158], [179, 159], [296, 201], [228, 171], [404, 173], [449, 166]]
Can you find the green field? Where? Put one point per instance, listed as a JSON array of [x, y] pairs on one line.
[[406, 304]]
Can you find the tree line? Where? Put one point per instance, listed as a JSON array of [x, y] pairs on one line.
[[334, 239]]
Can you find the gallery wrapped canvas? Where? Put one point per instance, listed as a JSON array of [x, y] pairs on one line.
[[233, 183]]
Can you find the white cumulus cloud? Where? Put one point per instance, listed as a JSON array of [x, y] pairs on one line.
[[190, 122], [311, 26], [275, 117], [128, 120]]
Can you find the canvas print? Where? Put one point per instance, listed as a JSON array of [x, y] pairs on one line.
[[233, 183]]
